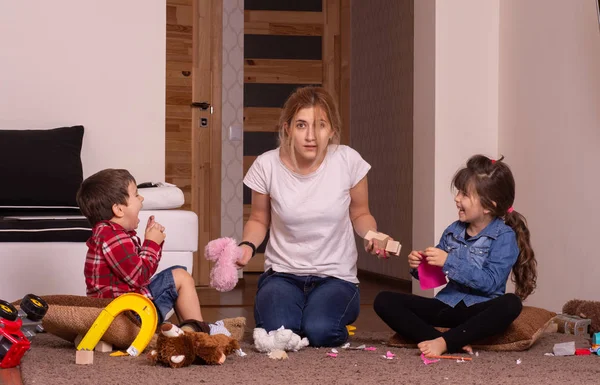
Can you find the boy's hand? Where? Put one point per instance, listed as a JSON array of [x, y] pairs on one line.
[[156, 232], [435, 256], [150, 223], [414, 259], [246, 255]]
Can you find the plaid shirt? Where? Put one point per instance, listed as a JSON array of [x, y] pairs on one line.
[[116, 263]]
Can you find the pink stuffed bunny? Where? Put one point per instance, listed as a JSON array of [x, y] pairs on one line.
[[224, 252]]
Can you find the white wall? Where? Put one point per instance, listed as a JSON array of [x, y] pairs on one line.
[[100, 64], [550, 133], [456, 104]]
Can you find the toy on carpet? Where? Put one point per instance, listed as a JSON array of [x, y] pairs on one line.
[[141, 305], [176, 348], [584, 309], [18, 327], [70, 315], [280, 339], [224, 252]]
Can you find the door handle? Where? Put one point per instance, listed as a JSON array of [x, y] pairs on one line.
[[201, 105]]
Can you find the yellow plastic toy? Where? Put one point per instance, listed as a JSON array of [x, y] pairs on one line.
[[131, 301], [351, 329]]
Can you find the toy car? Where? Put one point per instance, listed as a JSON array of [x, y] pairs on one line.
[[17, 328]]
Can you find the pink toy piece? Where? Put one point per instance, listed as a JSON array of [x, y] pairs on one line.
[[430, 276], [428, 361], [224, 252]]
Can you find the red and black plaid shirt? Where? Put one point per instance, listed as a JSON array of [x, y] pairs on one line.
[[116, 263]]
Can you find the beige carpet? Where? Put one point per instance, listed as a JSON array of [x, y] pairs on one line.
[[52, 361]]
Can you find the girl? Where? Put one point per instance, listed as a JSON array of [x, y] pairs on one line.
[[477, 253], [310, 193]]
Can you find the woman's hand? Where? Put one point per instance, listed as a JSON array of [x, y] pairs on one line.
[[246, 255], [435, 256], [414, 259], [371, 248]]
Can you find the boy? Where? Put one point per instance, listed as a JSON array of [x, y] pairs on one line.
[[117, 263]]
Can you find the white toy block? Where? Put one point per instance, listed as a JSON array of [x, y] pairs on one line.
[[103, 347], [84, 357]]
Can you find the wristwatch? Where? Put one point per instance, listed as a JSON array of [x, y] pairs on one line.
[[249, 244]]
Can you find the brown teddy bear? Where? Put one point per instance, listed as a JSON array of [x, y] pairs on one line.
[[584, 309], [177, 348]]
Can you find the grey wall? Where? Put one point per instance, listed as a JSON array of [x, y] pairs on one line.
[[381, 119]]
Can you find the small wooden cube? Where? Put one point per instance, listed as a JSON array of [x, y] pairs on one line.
[[393, 247], [379, 239], [103, 347], [84, 357]]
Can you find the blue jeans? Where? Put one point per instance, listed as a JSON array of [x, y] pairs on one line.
[[313, 307], [163, 290]]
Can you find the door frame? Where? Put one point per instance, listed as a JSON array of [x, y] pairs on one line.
[[206, 142]]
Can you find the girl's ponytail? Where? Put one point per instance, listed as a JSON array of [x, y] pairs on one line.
[[525, 269]]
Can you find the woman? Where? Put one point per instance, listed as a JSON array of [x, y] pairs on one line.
[[310, 192]]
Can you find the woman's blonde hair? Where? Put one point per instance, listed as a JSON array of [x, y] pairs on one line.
[[306, 97]]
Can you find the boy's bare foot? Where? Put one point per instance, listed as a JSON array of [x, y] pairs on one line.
[[468, 349], [435, 347]]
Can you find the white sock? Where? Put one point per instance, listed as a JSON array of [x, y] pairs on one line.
[[219, 328]]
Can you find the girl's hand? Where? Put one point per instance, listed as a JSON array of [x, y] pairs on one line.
[[415, 259], [435, 256], [371, 249], [246, 255]]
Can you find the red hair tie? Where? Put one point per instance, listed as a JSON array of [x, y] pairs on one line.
[[510, 210], [493, 161]]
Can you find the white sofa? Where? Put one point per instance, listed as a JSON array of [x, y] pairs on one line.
[[41, 171], [57, 267]]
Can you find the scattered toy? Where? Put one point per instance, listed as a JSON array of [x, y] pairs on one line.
[[428, 361], [458, 358], [278, 355], [564, 349], [280, 339]]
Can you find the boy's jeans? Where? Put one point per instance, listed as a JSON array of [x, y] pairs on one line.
[[315, 307]]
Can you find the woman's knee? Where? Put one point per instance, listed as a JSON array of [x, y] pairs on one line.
[[322, 334], [278, 303]]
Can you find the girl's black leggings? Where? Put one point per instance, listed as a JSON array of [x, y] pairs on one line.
[[414, 317]]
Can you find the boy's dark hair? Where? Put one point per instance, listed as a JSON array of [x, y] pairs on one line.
[[99, 192], [494, 183]]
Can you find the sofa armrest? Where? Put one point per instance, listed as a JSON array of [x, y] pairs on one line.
[[181, 227]]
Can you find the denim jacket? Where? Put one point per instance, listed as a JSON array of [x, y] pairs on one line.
[[477, 268]]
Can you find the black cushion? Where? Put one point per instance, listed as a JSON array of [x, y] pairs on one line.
[[40, 167]]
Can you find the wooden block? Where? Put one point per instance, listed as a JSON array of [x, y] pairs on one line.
[[103, 347], [570, 324], [84, 357], [393, 247], [379, 239]]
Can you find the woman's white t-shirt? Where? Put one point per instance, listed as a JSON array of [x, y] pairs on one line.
[[311, 232]]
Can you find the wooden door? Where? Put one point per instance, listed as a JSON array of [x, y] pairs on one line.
[[287, 45], [193, 135]]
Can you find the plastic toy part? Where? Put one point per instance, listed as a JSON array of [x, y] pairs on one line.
[[17, 328], [131, 301]]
